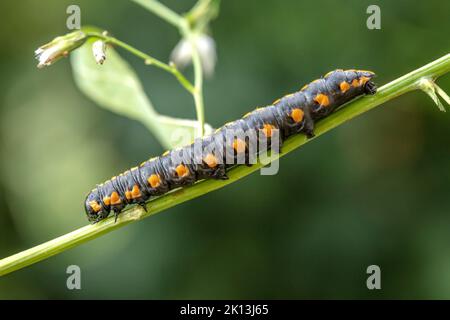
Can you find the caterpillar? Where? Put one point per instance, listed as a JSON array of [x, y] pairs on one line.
[[237, 142]]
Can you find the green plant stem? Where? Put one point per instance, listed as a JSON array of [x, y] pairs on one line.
[[387, 92], [161, 11], [198, 83], [198, 11], [186, 30]]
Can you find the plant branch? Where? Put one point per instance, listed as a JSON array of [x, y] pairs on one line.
[[198, 82], [400, 86], [149, 60], [161, 11]]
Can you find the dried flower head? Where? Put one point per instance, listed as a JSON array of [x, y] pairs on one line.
[[59, 47]]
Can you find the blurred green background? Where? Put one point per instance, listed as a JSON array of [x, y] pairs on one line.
[[373, 191]]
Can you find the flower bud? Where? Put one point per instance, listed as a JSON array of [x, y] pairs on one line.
[[182, 53], [99, 51], [59, 47]]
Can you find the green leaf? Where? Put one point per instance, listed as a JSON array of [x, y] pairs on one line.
[[116, 87], [113, 85]]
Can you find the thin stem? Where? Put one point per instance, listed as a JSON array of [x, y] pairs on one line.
[[198, 83], [149, 60], [387, 92], [198, 11], [161, 11], [186, 83], [201, 14]]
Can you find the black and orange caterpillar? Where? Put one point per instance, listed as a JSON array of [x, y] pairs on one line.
[[292, 114]]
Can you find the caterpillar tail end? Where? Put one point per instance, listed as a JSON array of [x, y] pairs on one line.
[[370, 88]]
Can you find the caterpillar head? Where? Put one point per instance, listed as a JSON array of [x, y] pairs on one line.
[[94, 208], [365, 79]]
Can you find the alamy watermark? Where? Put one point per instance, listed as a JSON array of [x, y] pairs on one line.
[[374, 20], [73, 21], [73, 281], [374, 280]]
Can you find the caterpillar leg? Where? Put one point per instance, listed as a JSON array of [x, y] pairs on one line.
[[308, 128], [279, 147], [310, 133], [249, 158], [100, 217], [220, 173], [142, 205], [217, 172], [116, 213]]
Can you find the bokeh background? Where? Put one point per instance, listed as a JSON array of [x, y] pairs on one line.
[[373, 191]]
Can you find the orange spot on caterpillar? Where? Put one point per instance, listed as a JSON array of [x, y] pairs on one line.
[[107, 201], [154, 180], [344, 86], [239, 145], [128, 194], [210, 160], [355, 83], [363, 80], [95, 206], [297, 115], [115, 199], [267, 129], [182, 170], [136, 192], [322, 99]]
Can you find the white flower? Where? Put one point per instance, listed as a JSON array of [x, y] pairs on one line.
[[47, 56], [99, 51], [59, 47], [182, 53]]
